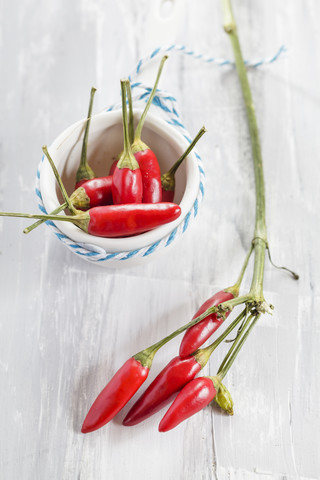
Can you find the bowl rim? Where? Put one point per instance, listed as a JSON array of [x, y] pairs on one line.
[[139, 245]]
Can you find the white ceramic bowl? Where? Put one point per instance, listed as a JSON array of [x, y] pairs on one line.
[[105, 143]]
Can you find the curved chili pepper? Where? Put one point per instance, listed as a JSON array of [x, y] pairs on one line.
[[170, 380], [84, 171], [168, 182], [115, 220], [150, 172], [93, 193], [115, 394], [196, 395], [126, 178], [113, 166], [130, 219], [199, 333]]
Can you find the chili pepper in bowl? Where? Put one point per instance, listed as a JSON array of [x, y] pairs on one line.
[[146, 158], [92, 193], [115, 221], [126, 178], [84, 171], [168, 182]]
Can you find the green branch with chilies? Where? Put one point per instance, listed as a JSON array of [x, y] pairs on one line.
[[254, 299]]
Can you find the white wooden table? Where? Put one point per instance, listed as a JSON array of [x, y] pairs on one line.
[[67, 325]]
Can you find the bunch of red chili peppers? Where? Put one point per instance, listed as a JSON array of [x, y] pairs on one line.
[[134, 197], [142, 199]]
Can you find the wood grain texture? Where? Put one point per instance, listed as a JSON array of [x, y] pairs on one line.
[[66, 325]]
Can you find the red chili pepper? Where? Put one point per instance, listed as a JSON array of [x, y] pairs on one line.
[[169, 381], [93, 193], [113, 166], [199, 333], [115, 394], [196, 395], [126, 179], [150, 172], [115, 220], [84, 171], [129, 219], [146, 158], [168, 182]]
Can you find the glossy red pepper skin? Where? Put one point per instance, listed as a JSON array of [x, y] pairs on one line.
[[170, 380], [196, 336], [151, 175], [80, 183], [96, 192], [167, 195], [113, 166], [115, 395], [196, 395], [126, 186], [130, 219]]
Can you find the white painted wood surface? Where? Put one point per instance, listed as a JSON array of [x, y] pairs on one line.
[[66, 325]]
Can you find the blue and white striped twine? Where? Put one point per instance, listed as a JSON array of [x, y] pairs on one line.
[[168, 107]]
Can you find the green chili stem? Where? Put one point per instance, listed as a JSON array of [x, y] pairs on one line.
[[73, 210], [84, 168], [202, 355], [65, 218], [131, 125], [260, 232], [225, 306], [177, 164], [126, 141], [236, 347], [235, 288], [39, 222], [146, 356], [137, 135], [228, 330]]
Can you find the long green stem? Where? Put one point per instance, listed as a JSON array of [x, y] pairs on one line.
[[177, 164], [235, 288], [73, 210], [64, 218], [127, 159], [260, 232], [228, 330], [85, 172], [236, 347], [39, 222], [137, 135], [131, 125]]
